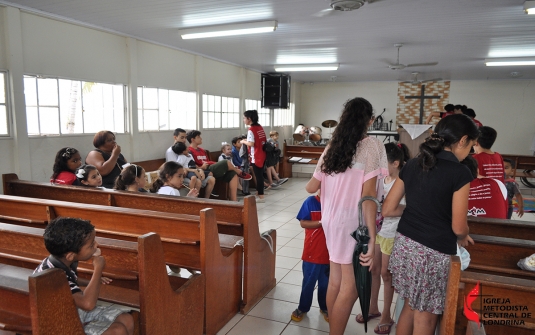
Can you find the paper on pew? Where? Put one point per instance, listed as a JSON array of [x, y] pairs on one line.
[[527, 263], [151, 176]]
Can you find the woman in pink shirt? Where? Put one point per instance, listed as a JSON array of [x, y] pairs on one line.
[[348, 169]]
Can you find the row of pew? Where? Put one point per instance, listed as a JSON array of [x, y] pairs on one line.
[[218, 238]]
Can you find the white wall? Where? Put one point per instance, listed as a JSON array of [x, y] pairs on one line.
[[508, 106], [59, 49]]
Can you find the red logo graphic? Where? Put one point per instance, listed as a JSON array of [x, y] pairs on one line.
[[468, 301]]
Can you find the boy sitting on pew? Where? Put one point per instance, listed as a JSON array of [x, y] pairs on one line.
[[490, 163], [71, 240], [512, 190], [488, 196]]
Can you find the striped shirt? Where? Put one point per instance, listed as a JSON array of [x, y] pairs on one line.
[[51, 262]]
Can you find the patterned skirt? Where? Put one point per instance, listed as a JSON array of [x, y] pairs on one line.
[[419, 274]]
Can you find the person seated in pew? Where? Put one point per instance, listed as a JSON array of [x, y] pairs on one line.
[[490, 163], [488, 197], [179, 135], [449, 110], [67, 161], [106, 157], [132, 179], [472, 114], [88, 175], [170, 180], [223, 170], [195, 178], [512, 189], [69, 241]]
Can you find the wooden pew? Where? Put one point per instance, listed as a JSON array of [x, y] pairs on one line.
[[140, 280], [37, 304], [523, 230], [447, 322], [151, 165], [522, 162], [499, 255], [258, 259], [520, 292], [188, 241]]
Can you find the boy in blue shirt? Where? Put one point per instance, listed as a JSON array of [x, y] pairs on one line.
[[315, 259]]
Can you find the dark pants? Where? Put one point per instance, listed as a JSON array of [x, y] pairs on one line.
[[509, 212], [313, 273], [259, 173]]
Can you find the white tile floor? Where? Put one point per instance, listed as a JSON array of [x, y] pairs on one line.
[[272, 314]]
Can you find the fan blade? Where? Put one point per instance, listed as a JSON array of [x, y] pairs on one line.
[[429, 80], [396, 66], [325, 12], [422, 64]]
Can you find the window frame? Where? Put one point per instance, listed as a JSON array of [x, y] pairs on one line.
[[81, 82], [220, 113], [7, 105], [291, 110], [141, 117]]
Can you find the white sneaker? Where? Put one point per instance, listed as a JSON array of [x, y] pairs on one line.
[[275, 185]]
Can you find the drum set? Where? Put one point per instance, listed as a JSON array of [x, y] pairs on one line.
[[311, 136]]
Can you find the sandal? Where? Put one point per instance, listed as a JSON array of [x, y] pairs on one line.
[[360, 319], [388, 326], [325, 315], [297, 315]]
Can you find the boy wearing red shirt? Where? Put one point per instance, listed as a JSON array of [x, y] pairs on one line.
[[490, 163], [315, 259]]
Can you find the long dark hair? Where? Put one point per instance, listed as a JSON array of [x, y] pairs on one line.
[[397, 152], [351, 130], [168, 170], [253, 115], [128, 176], [60, 163], [448, 131]]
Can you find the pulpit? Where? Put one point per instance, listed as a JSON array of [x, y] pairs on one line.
[[412, 135]]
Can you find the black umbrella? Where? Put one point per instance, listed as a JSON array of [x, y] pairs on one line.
[[363, 276]]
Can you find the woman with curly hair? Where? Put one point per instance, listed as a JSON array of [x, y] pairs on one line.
[[348, 170]]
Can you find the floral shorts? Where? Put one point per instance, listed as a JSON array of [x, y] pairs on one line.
[[419, 274]]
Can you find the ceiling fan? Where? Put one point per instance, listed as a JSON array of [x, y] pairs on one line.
[[399, 66], [416, 81], [342, 6]]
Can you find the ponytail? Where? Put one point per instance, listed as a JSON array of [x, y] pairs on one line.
[[448, 131], [158, 183]]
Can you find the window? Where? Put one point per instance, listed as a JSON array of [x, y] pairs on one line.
[[263, 113], [4, 127], [284, 117], [220, 112], [161, 109], [62, 106]]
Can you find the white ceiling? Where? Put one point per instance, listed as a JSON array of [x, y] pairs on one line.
[[458, 34]]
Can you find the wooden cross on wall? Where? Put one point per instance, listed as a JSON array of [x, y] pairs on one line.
[[422, 98]]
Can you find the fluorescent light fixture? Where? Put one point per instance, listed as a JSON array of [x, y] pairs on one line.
[[529, 7], [510, 61], [306, 67], [229, 30]]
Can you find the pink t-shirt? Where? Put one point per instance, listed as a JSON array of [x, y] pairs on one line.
[[340, 195]]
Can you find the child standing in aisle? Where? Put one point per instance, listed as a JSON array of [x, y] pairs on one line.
[[315, 259], [397, 155]]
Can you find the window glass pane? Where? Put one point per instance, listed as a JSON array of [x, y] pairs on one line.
[[217, 104], [119, 92], [32, 120], [48, 92], [107, 106], [93, 108], [163, 99], [205, 120], [3, 120], [226, 104], [2, 88], [150, 122], [140, 116], [70, 107], [30, 91], [150, 98], [48, 119], [140, 97]]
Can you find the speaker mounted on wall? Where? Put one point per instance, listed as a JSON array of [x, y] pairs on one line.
[[275, 90]]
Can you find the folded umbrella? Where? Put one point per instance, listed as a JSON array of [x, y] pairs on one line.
[[363, 276]]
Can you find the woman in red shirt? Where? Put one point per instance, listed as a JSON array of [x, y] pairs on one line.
[[256, 138]]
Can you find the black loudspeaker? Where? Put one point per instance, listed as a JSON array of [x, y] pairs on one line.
[[275, 90]]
